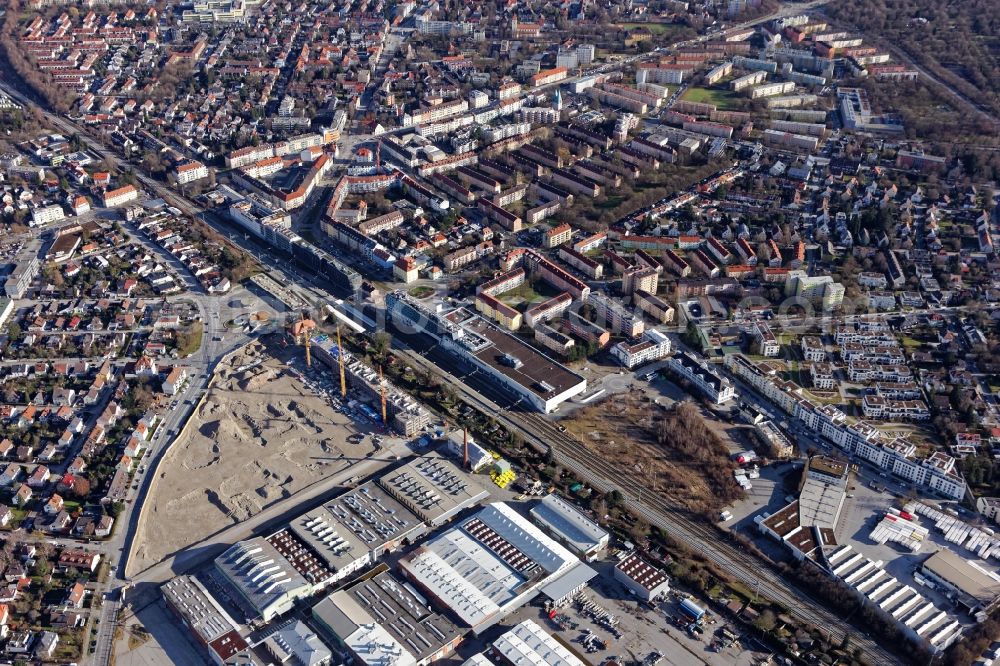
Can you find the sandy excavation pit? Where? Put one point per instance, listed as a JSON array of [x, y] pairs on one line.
[[260, 435]]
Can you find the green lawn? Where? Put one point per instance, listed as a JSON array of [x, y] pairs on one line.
[[528, 293], [189, 341], [655, 28], [723, 99], [612, 201]]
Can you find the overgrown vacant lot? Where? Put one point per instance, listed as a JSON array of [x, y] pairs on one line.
[[673, 451]]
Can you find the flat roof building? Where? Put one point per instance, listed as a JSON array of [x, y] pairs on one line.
[[977, 588], [572, 528], [433, 488], [645, 580], [209, 624], [298, 644], [522, 369], [716, 388], [487, 567], [353, 530], [264, 578], [383, 621], [528, 644]]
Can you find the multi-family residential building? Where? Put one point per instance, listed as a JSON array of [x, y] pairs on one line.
[[880, 407], [498, 311], [581, 262], [640, 279], [553, 340], [120, 196], [652, 347], [616, 316], [653, 306], [557, 235], [47, 214], [547, 76], [822, 376], [548, 309], [586, 330], [713, 385], [937, 472], [765, 340], [189, 172]]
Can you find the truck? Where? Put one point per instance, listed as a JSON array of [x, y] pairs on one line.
[[744, 457], [692, 610]]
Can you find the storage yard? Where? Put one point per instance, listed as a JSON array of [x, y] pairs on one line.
[[643, 630], [261, 434]]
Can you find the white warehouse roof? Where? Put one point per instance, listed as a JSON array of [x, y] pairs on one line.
[[483, 569], [567, 523]]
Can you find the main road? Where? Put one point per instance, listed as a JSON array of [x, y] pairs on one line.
[[535, 428]]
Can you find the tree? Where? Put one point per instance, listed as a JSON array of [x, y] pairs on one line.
[[430, 378], [43, 568], [81, 488], [766, 621], [380, 345]]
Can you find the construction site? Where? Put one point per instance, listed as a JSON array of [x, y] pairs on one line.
[[265, 429]]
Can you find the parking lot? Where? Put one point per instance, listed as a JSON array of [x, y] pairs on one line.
[[644, 629], [766, 496], [868, 497]]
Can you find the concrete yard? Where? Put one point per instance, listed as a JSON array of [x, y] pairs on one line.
[[644, 629], [261, 434]]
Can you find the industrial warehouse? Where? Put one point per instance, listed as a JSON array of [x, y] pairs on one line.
[[464, 569], [524, 370]]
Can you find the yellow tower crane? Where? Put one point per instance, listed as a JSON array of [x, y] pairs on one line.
[[381, 384]]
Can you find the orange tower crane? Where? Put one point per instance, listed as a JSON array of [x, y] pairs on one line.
[[302, 331], [340, 357]]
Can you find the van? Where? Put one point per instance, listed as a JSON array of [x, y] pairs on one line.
[[725, 516]]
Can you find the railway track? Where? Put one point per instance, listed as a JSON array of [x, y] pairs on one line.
[[656, 509]]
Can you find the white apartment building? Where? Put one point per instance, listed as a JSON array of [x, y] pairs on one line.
[[653, 346], [190, 172], [716, 388], [766, 341], [47, 215]]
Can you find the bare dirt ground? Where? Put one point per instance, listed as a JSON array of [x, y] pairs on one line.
[[260, 435]]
